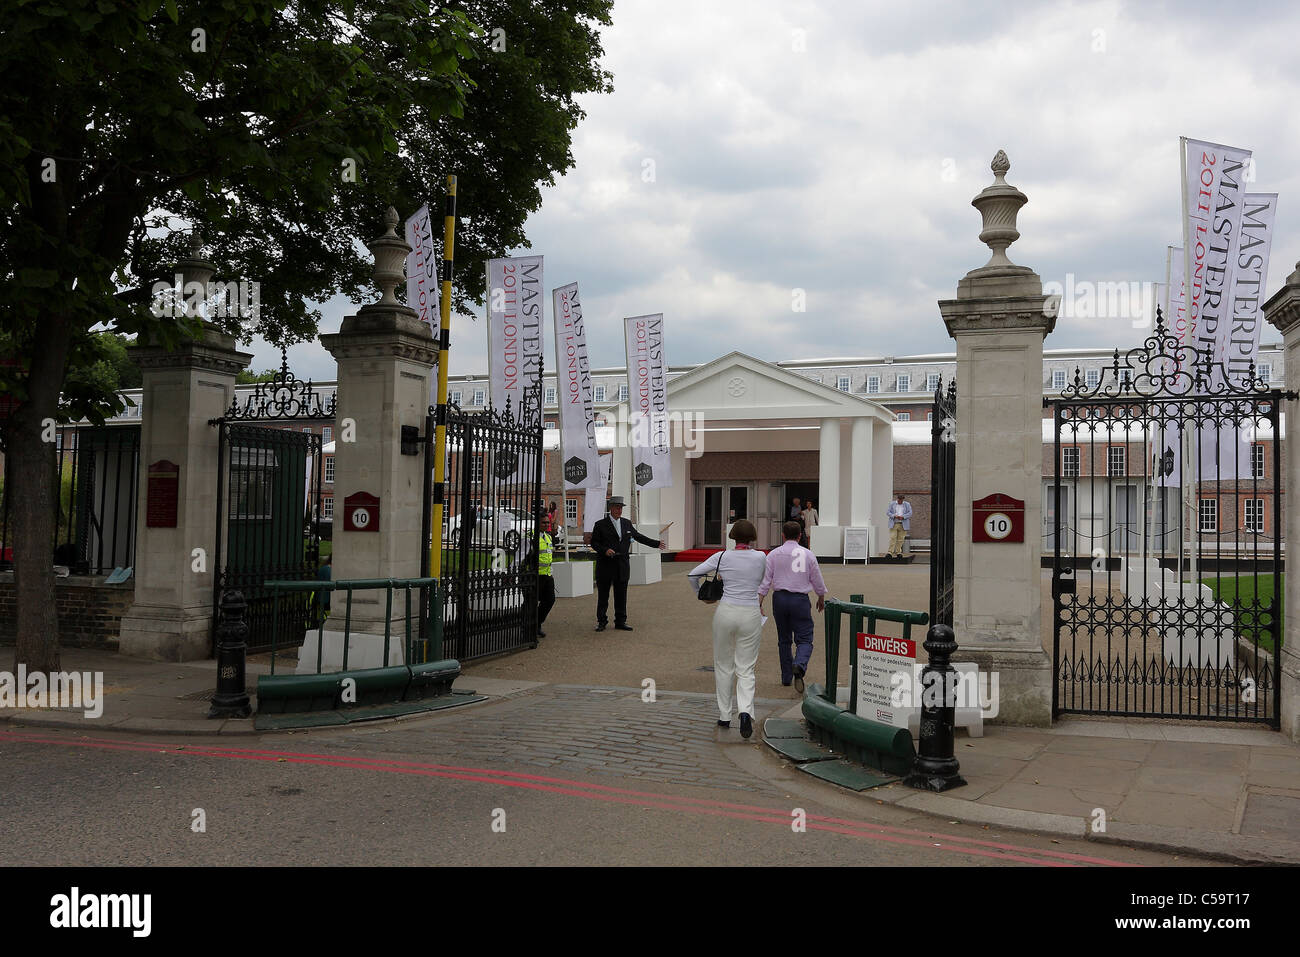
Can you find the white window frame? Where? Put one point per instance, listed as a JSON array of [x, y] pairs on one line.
[[1116, 460], [476, 470], [327, 470], [1257, 460], [904, 416], [903, 383], [327, 508], [456, 396], [1258, 524], [599, 394], [552, 424], [326, 434], [622, 392], [480, 396], [932, 380], [550, 395], [1264, 371], [1207, 515], [1058, 379], [570, 511], [1070, 464], [842, 383], [1092, 378]]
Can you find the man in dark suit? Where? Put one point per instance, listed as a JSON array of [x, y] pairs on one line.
[[611, 539]]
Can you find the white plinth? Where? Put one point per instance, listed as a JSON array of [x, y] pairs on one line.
[[646, 569], [364, 651], [827, 541], [573, 579], [1142, 582], [1205, 632]]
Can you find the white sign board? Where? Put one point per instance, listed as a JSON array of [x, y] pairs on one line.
[[880, 659], [856, 544]]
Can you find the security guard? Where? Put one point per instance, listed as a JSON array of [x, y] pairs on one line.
[[545, 582]]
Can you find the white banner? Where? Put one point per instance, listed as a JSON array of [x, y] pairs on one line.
[[593, 508], [1225, 451], [514, 309], [422, 279], [578, 453], [1213, 199], [650, 433]]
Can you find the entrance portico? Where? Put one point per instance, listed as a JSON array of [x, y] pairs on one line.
[[750, 432]]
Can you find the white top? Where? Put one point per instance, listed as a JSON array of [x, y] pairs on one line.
[[742, 572]]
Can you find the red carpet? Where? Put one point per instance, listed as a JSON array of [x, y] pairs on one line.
[[698, 555]]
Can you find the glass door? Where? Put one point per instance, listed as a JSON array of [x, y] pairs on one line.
[[712, 524]]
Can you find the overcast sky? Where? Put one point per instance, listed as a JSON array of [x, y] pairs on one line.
[[752, 149]]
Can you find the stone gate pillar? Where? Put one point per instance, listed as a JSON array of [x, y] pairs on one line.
[[184, 388], [1283, 312], [999, 323], [385, 358]]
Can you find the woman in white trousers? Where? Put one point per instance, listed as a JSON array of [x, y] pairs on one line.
[[737, 624]]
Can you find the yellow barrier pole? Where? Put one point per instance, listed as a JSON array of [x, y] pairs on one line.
[[444, 347]]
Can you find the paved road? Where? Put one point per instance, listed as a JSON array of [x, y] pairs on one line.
[[568, 775]]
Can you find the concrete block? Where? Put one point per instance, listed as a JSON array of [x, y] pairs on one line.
[[573, 579]]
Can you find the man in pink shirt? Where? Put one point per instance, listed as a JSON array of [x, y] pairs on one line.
[[791, 573]]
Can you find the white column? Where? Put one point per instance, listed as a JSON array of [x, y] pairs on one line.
[[860, 479], [882, 484], [828, 473]]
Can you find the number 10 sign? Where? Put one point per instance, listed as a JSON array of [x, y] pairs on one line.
[[998, 518]]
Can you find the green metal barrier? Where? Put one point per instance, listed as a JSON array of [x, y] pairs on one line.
[[866, 741], [423, 673], [858, 612]]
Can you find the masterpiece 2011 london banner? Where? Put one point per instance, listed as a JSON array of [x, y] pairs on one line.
[[580, 455], [647, 392]]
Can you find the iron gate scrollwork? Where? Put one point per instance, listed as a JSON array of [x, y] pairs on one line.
[[269, 504], [1164, 519], [492, 491]]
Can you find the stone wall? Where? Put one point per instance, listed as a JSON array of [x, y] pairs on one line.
[[90, 612]]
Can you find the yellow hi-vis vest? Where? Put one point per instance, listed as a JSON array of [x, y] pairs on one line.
[[544, 554]]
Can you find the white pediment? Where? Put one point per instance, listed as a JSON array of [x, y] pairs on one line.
[[738, 386]]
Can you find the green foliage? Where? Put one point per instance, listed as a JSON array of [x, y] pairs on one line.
[[124, 123], [1252, 592], [247, 376]]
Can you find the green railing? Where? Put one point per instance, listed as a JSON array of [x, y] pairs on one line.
[[424, 645], [858, 615]]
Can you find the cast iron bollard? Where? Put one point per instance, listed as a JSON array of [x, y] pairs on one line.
[[231, 700], [935, 768]]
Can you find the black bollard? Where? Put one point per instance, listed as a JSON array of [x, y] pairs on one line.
[[231, 700], [935, 768]]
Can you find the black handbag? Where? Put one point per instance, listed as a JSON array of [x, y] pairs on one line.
[[711, 588]]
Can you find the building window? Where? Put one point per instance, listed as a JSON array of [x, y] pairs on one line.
[[622, 392], [600, 393], [1115, 460], [873, 384], [1092, 377], [905, 417], [929, 416], [455, 396], [550, 395], [476, 470], [551, 424], [1069, 462], [1265, 371], [1125, 376], [326, 434], [1254, 514], [932, 382], [570, 511], [1209, 512], [904, 384], [1058, 379], [327, 508], [480, 396], [842, 383], [1257, 460], [328, 471], [307, 429]]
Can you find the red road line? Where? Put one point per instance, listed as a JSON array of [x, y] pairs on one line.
[[582, 789]]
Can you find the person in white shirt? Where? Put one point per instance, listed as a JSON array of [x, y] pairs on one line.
[[737, 624], [900, 523], [809, 515]]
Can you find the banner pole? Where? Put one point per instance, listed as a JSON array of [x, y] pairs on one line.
[[444, 347]]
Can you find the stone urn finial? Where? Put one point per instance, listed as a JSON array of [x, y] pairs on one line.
[[390, 252], [999, 204], [196, 268]]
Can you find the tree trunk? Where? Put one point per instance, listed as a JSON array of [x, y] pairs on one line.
[[32, 491]]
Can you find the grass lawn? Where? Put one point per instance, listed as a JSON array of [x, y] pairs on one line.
[[1249, 589]]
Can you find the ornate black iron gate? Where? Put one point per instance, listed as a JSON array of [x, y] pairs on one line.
[[943, 481], [1164, 518], [490, 528], [269, 503]]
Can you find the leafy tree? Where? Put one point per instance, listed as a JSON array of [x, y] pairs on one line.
[[248, 377], [280, 129]]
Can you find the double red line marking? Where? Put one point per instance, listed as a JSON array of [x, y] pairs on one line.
[[600, 792]]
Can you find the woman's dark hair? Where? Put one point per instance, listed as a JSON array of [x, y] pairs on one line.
[[744, 532]]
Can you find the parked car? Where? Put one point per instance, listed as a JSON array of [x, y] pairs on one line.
[[494, 527]]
